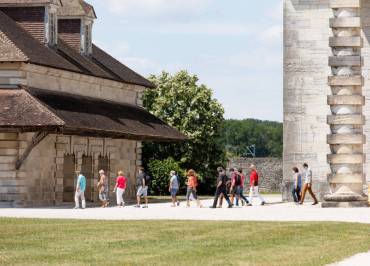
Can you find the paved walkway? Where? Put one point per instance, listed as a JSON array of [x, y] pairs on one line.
[[275, 210], [362, 259]]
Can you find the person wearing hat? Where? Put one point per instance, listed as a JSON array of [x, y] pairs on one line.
[[254, 186]]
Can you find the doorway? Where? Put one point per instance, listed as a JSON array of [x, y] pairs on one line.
[[69, 178], [87, 171]]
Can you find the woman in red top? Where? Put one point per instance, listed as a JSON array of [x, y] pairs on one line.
[[192, 184], [120, 188]]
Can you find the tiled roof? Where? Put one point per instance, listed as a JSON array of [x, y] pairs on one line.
[[88, 116], [99, 64], [36, 52], [14, 2], [20, 110], [118, 69], [83, 62]]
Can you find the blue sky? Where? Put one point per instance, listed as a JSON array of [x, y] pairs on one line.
[[235, 47]]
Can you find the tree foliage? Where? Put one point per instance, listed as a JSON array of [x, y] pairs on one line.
[[237, 135], [188, 106], [160, 173]]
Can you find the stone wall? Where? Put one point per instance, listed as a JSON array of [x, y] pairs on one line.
[[306, 71], [365, 17], [270, 171], [306, 52], [59, 80], [39, 182]]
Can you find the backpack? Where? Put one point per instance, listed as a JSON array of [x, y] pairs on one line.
[[238, 180], [148, 180]]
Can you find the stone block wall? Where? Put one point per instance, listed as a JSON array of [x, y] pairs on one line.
[[365, 18], [11, 184], [39, 181], [306, 68], [306, 52], [270, 171], [59, 80], [123, 155]]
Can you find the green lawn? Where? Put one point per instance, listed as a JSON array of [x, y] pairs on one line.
[[66, 242]]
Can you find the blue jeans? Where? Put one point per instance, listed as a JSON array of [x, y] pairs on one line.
[[191, 191], [239, 192], [296, 194]]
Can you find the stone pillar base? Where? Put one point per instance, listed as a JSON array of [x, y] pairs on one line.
[[348, 204], [345, 197]]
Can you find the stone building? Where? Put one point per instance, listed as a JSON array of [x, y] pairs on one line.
[[326, 96], [65, 105]]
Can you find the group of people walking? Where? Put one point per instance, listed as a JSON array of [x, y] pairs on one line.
[[234, 185], [142, 184], [228, 187]]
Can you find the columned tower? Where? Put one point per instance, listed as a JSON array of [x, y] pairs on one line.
[[346, 139]]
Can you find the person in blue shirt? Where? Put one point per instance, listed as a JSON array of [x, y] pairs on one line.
[[297, 185], [80, 191], [174, 188]]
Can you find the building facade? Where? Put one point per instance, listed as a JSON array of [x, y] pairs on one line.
[[326, 97], [66, 105]]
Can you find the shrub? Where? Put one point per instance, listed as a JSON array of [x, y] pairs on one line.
[[160, 170]]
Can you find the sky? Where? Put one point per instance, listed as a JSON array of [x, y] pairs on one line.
[[234, 47]]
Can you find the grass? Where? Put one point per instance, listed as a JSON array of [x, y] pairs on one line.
[[69, 242]]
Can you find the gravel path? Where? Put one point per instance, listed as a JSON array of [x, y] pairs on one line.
[[275, 210]]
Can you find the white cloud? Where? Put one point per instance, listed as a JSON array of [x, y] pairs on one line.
[[158, 8], [273, 34], [257, 59]]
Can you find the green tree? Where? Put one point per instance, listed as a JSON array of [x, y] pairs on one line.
[[237, 135], [160, 171], [190, 107]]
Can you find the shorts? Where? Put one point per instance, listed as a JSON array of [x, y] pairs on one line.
[[174, 192], [142, 191]]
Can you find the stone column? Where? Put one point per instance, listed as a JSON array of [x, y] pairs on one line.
[[346, 180]]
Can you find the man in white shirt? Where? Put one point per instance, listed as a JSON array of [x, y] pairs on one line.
[[307, 175]]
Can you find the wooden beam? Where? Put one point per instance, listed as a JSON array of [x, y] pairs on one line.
[[37, 138]]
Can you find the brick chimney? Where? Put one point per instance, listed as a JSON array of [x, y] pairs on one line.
[[38, 17], [75, 22]]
